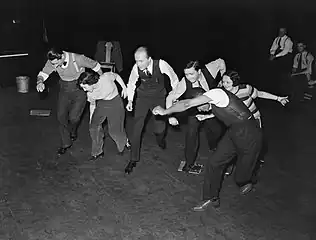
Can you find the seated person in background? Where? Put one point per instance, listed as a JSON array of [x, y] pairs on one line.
[[281, 59], [105, 103], [301, 72]]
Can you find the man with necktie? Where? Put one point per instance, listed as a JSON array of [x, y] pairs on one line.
[[281, 58], [150, 76], [207, 77], [301, 72]]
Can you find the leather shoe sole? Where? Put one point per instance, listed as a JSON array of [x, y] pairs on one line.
[[96, 157]]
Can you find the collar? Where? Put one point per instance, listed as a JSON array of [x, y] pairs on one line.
[[285, 36], [66, 60], [150, 66]]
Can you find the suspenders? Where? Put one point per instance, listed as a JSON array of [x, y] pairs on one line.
[[74, 62]]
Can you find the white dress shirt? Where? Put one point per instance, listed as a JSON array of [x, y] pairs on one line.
[[213, 67], [306, 63], [165, 68], [286, 46]]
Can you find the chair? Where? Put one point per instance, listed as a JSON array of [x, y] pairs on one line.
[[109, 55]]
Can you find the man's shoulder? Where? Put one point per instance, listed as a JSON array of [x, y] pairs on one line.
[[108, 75], [160, 61], [244, 86], [215, 91]]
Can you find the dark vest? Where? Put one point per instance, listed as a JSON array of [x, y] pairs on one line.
[[235, 112], [154, 85], [211, 82]]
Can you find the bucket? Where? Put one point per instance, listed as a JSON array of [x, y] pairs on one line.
[[22, 83]]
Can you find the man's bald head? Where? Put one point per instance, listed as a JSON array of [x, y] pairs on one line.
[[143, 50], [142, 58]]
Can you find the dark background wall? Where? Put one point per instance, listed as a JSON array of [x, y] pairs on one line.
[[240, 32]]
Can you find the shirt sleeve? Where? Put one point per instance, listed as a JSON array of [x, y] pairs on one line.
[[274, 46], [217, 97], [168, 70], [176, 93], [212, 67], [131, 85], [85, 62], [295, 61], [310, 60], [252, 91], [288, 44], [46, 71]]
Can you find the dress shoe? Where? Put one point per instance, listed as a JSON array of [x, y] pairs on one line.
[[96, 157], [129, 167], [246, 189], [62, 150], [128, 146], [229, 170], [73, 137], [193, 169], [214, 202]]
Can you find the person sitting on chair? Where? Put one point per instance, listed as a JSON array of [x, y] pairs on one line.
[[301, 72]]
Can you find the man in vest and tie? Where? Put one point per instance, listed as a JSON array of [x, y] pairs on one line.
[[149, 75], [301, 72], [206, 77], [281, 57], [242, 139], [71, 99]]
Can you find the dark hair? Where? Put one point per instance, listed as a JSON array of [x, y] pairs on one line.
[[89, 78], [195, 92], [234, 76], [301, 42], [54, 53], [143, 49], [193, 64]]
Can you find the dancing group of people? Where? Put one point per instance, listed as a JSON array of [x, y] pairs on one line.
[[209, 96]]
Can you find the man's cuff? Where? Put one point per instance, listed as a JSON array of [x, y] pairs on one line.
[[97, 67], [42, 75]]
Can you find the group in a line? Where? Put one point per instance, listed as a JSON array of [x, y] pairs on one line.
[[211, 97]]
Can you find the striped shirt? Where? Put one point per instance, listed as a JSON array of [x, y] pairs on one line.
[[247, 94]]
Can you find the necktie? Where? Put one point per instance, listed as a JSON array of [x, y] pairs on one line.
[[146, 71], [299, 61], [279, 42]]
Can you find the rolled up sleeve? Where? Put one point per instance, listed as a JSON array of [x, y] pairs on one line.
[[46, 71], [85, 62], [176, 93], [131, 85], [168, 70]]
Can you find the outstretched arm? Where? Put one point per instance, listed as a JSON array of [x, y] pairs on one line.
[[266, 95], [182, 106]]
